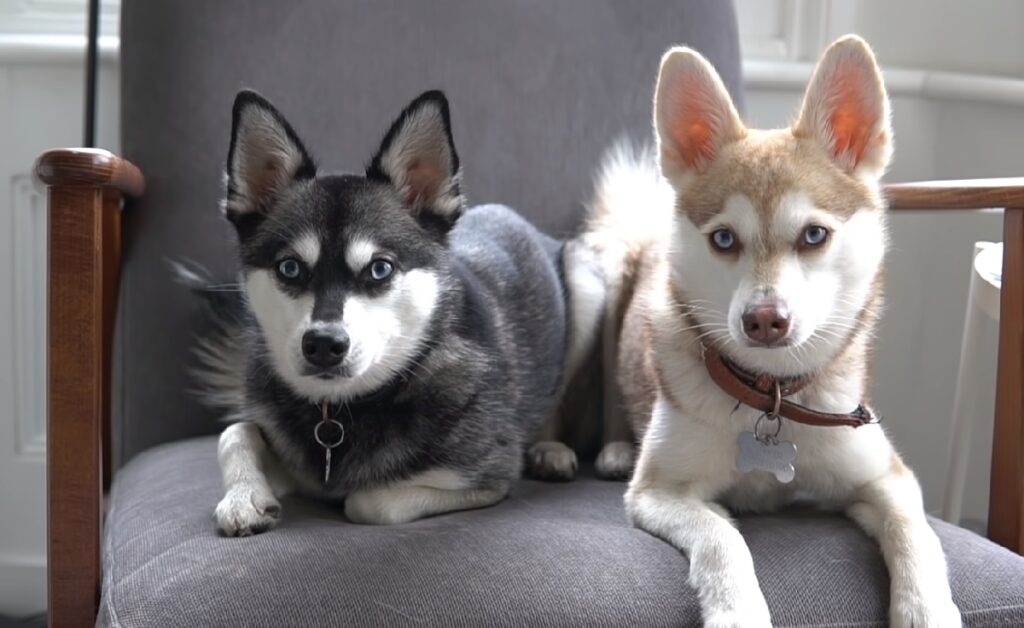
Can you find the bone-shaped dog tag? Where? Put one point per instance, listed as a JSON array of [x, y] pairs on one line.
[[775, 457]]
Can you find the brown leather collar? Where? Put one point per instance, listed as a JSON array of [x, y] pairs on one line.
[[767, 394]]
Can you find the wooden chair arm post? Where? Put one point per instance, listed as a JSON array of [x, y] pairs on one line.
[[85, 190], [1006, 490]]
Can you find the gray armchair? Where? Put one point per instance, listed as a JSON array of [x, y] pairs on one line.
[[538, 90]]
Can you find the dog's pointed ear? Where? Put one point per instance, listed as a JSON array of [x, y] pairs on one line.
[[418, 157], [265, 157], [693, 113], [846, 109]]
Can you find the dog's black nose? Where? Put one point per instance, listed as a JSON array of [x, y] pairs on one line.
[[766, 324], [324, 349]]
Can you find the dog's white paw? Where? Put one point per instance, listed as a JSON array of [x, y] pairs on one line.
[[917, 612], [615, 462], [749, 610], [247, 510], [551, 460], [739, 618]]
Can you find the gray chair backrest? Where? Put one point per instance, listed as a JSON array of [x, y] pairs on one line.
[[538, 89]]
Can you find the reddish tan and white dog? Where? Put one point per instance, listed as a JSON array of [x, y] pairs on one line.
[[745, 285]]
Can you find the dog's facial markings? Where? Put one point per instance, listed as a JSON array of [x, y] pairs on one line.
[[386, 331], [282, 318], [359, 253], [805, 266], [382, 331], [764, 220], [342, 271], [307, 247]]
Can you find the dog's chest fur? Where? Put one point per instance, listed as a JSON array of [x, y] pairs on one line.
[[384, 435], [695, 426]]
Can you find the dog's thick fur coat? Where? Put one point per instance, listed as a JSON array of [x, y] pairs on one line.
[[735, 219], [439, 337]]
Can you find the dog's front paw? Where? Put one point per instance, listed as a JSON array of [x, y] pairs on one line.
[[615, 462], [246, 510], [909, 611], [739, 618], [749, 611], [552, 461]]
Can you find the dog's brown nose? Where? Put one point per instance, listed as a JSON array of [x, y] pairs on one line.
[[766, 324]]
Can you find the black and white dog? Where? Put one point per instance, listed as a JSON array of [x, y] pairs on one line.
[[388, 346]]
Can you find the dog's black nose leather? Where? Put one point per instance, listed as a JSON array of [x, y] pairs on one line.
[[766, 324], [323, 349]]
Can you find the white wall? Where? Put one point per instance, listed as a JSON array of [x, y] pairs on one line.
[[953, 117], [977, 37], [41, 96]]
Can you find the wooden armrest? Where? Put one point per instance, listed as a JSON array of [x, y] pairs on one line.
[[961, 194], [85, 190], [89, 167], [1006, 490]]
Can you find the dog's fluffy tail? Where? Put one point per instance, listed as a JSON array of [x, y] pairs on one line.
[[219, 371], [629, 213]]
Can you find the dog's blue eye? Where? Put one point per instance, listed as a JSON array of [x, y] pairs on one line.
[[723, 239], [289, 269], [815, 235], [381, 269]]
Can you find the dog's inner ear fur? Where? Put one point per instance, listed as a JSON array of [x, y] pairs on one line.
[[846, 109], [693, 113], [265, 157], [418, 157]]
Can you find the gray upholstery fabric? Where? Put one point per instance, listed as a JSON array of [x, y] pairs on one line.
[[551, 555], [538, 89]]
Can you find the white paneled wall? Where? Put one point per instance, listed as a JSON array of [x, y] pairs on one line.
[[977, 37], [983, 37], [41, 106]]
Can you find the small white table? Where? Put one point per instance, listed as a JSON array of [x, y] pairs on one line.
[[983, 298]]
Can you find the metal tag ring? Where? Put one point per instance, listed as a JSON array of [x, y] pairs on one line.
[[341, 434], [768, 438], [778, 400]]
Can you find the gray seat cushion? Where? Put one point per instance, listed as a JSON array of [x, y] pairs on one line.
[[551, 554]]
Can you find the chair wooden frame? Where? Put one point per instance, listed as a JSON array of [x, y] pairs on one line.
[[86, 190]]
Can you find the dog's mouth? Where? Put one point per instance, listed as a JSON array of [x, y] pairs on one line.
[[736, 339], [779, 344], [327, 374]]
